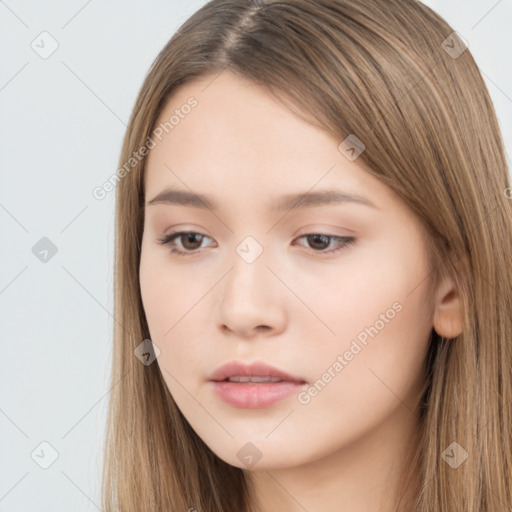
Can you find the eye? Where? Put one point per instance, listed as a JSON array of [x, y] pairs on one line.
[[340, 242], [191, 238]]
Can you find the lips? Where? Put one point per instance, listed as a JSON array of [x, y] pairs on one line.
[[253, 386], [254, 373]]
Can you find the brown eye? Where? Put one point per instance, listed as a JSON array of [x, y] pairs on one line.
[[190, 242], [318, 242]]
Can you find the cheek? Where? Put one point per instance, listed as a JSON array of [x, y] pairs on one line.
[[173, 302], [381, 315], [164, 289], [351, 295]]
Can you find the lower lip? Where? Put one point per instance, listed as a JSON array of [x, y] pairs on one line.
[[255, 396]]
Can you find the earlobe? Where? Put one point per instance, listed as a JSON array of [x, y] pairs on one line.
[[448, 314]]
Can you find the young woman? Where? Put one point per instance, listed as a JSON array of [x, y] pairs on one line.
[[313, 267]]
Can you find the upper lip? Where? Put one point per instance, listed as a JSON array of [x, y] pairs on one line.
[[257, 369]]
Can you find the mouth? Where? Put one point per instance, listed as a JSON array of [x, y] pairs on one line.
[[258, 372], [253, 386], [255, 380]]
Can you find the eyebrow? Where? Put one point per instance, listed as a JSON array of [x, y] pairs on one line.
[[172, 196]]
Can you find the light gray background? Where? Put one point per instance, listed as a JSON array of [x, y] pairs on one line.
[[61, 125]]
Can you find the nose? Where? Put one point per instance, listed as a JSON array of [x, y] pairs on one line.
[[252, 299]]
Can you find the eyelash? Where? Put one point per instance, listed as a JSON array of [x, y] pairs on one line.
[[168, 239]]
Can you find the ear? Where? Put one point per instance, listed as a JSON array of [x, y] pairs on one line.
[[448, 314]]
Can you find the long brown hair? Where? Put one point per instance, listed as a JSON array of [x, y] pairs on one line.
[[397, 76]]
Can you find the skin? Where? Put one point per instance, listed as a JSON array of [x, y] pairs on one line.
[[293, 307]]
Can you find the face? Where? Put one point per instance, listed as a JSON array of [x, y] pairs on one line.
[[335, 294]]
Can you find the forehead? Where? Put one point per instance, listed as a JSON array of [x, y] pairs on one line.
[[238, 136]]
